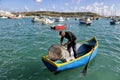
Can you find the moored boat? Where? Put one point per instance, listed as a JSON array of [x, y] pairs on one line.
[[59, 27], [3, 17], [115, 21], [47, 21], [37, 19], [85, 50], [85, 21], [60, 19]]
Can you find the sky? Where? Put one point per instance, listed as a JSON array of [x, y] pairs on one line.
[[102, 7]]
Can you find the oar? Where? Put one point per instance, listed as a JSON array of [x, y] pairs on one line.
[[86, 66]]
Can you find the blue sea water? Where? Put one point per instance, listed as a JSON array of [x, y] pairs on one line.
[[23, 43]]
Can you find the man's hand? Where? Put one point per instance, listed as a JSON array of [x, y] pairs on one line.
[[65, 44]]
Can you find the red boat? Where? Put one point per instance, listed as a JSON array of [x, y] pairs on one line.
[[59, 27]]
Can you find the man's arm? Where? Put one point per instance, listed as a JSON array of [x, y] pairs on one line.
[[67, 43]]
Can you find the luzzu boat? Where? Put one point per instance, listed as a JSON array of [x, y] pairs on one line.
[[86, 50]]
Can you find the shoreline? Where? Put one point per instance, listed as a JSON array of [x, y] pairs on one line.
[[58, 14]]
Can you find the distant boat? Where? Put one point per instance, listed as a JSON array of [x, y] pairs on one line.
[[3, 17], [59, 27], [76, 18], [37, 19], [11, 17], [84, 50], [97, 18], [43, 20], [60, 19], [115, 21], [47, 21], [85, 21], [19, 16]]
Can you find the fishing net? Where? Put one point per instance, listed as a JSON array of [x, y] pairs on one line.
[[58, 53]]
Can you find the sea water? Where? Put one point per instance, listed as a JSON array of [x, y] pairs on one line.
[[23, 43]]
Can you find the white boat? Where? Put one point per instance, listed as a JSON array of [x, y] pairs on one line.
[[60, 19], [85, 21], [4, 17], [37, 19], [19, 16], [47, 21], [115, 21]]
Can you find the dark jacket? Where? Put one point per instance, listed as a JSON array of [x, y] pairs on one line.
[[68, 35]]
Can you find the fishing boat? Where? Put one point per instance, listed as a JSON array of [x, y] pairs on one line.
[[86, 51], [59, 27], [85, 21]]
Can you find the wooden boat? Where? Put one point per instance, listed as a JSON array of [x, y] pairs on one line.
[[84, 50], [59, 27]]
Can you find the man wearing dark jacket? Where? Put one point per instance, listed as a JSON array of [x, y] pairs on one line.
[[71, 41]]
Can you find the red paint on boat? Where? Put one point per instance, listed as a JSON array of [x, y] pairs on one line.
[[60, 27]]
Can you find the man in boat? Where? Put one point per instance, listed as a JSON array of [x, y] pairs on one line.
[[71, 41]]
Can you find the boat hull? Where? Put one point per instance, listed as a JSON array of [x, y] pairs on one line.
[[80, 61], [112, 23], [59, 27]]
